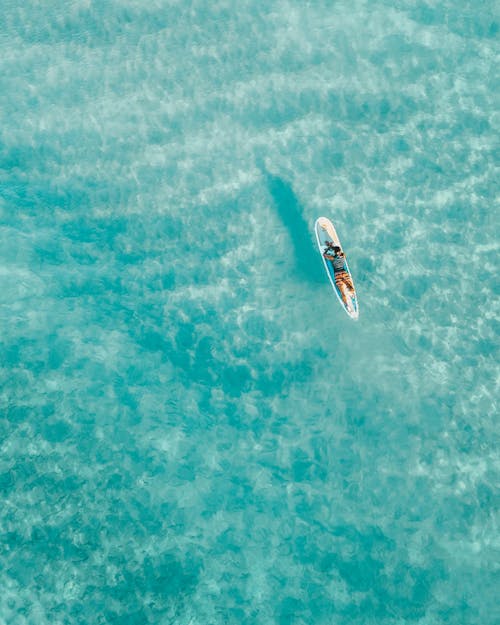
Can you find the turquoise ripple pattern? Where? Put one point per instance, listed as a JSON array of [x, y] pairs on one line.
[[192, 431]]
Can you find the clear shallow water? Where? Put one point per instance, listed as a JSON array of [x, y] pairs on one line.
[[192, 431]]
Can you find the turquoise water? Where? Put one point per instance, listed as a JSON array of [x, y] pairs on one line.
[[192, 431]]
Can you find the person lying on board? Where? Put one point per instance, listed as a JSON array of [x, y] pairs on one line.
[[335, 255], [343, 281]]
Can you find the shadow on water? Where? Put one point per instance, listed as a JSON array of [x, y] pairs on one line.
[[307, 260]]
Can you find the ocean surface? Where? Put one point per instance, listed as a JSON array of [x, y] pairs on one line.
[[192, 431]]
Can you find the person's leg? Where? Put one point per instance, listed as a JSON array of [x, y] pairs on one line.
[[339, 281], [345, 294], [346, 289], [346, 279]]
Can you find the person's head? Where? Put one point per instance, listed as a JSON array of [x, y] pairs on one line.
[[337, 250]]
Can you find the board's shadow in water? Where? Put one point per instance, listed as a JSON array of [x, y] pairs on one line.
[[307, 260]]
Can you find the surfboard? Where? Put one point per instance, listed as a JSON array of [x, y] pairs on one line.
[[325, 231]]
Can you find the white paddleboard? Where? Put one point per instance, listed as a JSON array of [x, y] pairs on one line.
[[344, 289]]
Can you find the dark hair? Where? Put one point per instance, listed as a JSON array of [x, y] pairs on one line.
[[336, 249]]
